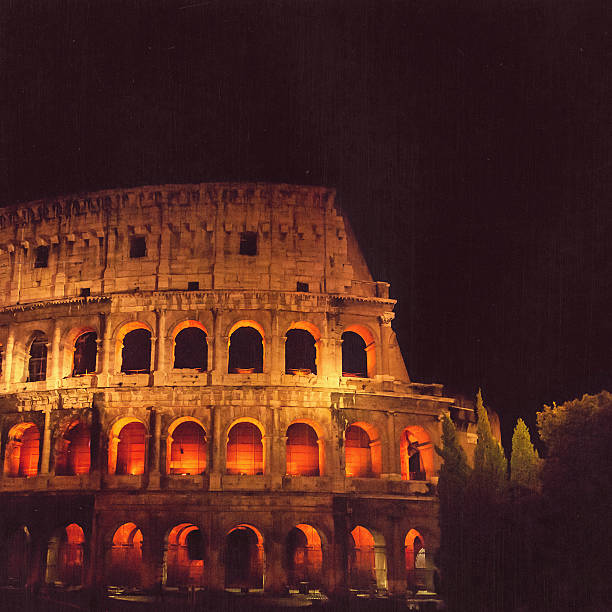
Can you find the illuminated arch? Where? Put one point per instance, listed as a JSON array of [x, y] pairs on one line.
[[367, 560], [37, 357], [248, 356], [22, 451], [133, 461], [184, 556], [416, 561], [186, 450], [363, 453], [304, 554], [85, 353], [370, 350], [126, 556], [68, 347], [181, 360], [245, 447], [304, 450], [244, 558], [302, 348], [122, 331], [417, 455], [73, 450], [65, 556]]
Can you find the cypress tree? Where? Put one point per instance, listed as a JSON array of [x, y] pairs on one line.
[[524, 462]]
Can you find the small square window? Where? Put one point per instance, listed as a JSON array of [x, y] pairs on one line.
[[138, 247], [193, 286], [85, 292], [248, 243], [42, 257], [302, 287]]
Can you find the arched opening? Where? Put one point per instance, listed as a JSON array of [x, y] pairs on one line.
[[85, 354], [367, 561], [304, 555], [416, 454], [244, 558], [184, 560], [358, 352], [65, 557], [126, 557], [18, 557], [362, 452], [136, 352], [22, 451], [188, 449], [245, 351], [74, 451], [191, 349], [37, 362], [244, 450], [416, 562], [302, 450], [130, 449], [300, 352]]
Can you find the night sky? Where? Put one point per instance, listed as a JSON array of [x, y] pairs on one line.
[[469, 143]]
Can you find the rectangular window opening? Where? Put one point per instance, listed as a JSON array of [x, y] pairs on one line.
[[248, 243], [302, 287], [193, 286], [85, 292], [42, 257], [138, 247]]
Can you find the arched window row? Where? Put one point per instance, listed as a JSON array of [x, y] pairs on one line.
[[189, 350], [188, 448]]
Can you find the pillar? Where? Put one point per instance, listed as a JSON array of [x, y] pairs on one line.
[[160, 353], [217, 451], [106, 347], [154, 444], [275, 577], [55, 351], [8, 359], [383, 366], [46, 447], [392, 464]]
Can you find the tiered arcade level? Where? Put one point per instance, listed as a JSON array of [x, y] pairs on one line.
[[201, 387]]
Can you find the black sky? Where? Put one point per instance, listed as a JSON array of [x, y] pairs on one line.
[[469, 143]]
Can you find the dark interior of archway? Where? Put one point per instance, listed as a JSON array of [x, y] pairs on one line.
[[188, 451], [18, 555], [136, 353], [191, 349], [245, 351], [354, 358], [300, 352], [85, 353], [303, 561], [243, 560], [37, 363], [74, 455]]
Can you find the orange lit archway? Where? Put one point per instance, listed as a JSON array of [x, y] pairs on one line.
[[189, 345], [245, 449], [416, 451], [73, 452], [184, 558], [141, 356], [187, 447], [368, 347], [367, 560], [244, 558], [362, 448], [126, 556], [126, 447], [304, 450], [65, 556], [246, 349], [416, 561], [304, 554], [22, 451]]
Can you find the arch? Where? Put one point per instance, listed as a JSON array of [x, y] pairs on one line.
[[358, 352], [362, 451], [37, 357], [245, 454], [300, 352], [367, 560], [304, 555], [245, 348], [190, 346], [85, 353], [126, 556], [145, 355], [73, 451], [416, 561], [187, 447], [22, 451], [18, 558], [416, 451], [65, 556], [244, 558], [126, 447], [302, 450], [184, 556]]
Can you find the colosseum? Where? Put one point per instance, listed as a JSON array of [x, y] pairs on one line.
[[201, 388]]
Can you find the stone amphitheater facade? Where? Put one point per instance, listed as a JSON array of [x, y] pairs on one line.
[[201, 387]]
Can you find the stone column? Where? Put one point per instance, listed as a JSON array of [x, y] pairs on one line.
[[218, 450], [276, 577], [8, 359], [385, 339], [46, 446], [154, 442], [106, 348], [56, 373], [160, 356], [392, 467]]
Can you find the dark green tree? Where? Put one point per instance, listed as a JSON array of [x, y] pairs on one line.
[[525, 461]]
